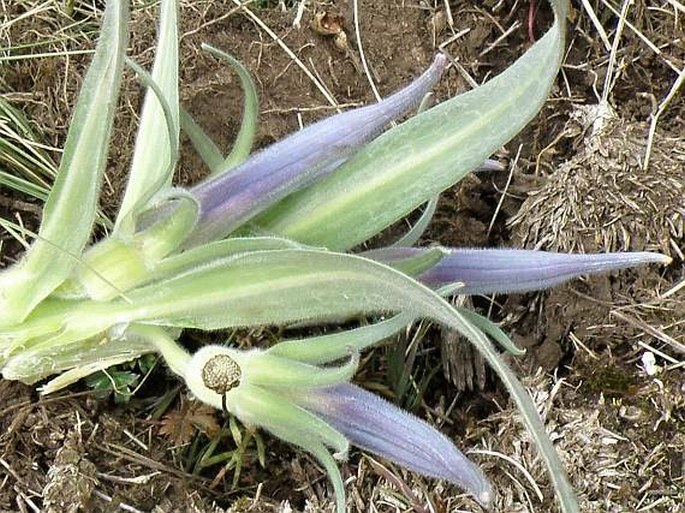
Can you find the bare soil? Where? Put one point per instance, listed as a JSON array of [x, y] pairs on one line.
[[617, 419]]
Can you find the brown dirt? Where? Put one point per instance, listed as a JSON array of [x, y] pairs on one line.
[[620, 430]]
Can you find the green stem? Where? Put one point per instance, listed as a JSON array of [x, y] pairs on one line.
[[530, 416], [175, 356]]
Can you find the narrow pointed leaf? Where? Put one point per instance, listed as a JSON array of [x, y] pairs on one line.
[[417, 230], [492, 330], [24, 163], [331, 347], [69, 212], [22, 185], [331, 468], [230, 199], [208, 151], [248, 127], [526, 407]]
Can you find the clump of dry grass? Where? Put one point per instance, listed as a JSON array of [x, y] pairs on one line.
[[601, 199], [621, 454], [622, 187]]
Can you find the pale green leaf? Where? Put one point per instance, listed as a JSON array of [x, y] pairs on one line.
[[207, 253], [487, 326], [154, 157], [417, 230], [209, 152], [70, 209], [333, 346], [22, 185], [248, 127], [413, 162]]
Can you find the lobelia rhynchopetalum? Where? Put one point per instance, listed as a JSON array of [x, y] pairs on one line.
[[265, 240]]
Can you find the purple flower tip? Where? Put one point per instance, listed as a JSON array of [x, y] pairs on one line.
[[486, 271], [381, 428]]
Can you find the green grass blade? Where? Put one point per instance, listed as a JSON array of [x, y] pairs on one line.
[[70, 209], [248, 127], [417, 230], [25, 166], [20, 153], [24, 186], [154, 157], [413, 162]]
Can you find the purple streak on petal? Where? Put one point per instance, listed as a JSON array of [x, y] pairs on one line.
[[486, 271], [228, 200], [381, 428]]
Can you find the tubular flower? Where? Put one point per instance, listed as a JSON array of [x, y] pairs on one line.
[[316, 408], [229, 199], [488, 271]]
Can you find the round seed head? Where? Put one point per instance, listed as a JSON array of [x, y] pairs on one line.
[[221, 373]]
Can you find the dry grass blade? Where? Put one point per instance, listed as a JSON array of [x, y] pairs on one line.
[[319, 85], [675, 88], [659, 335]]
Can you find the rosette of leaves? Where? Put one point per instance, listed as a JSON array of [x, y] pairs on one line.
[[189, 258]]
